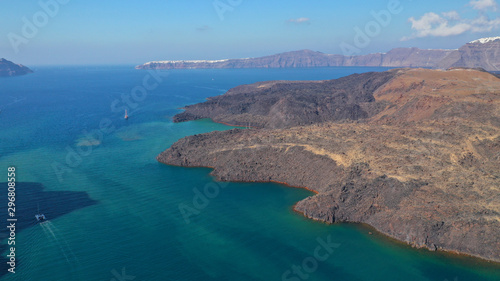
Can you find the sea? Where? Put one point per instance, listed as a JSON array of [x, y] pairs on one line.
[[114, 213]]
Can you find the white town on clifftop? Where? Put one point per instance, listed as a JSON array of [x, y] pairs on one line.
[[186, 61], [482, 41], [485, 40]]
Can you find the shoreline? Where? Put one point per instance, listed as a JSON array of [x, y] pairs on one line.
[[376, 232], [220, 122], [404, 174]]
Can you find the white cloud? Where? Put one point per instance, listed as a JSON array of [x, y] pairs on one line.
[[451, 23], [426, 22], [452, 15], [300, 21], [483, 4], [484, 24], [432, 24]]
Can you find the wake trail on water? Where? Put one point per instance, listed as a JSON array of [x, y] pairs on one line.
[[48, 228], [52, 236], [55, 229]]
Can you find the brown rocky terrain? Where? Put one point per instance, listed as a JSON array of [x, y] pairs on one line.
[[8, 68], [480, 53], [422, 164]]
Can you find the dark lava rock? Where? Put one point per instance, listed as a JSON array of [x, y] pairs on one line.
[[282, 104]]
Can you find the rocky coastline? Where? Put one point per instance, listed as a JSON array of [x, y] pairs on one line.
[[414, 153]]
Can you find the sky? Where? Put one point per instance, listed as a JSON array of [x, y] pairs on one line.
[[77, 32]]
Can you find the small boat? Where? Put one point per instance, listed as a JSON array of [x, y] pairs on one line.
[[126, 115], [40, 217]]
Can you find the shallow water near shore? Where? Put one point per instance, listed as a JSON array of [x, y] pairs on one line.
[[133, 227]]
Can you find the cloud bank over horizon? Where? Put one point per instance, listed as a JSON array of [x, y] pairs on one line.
[[451, 23]]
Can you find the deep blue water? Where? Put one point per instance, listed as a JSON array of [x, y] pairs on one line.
[[114, 211]]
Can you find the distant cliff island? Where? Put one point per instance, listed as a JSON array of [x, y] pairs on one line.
[[483, 53], [414, 153], [8, 68]]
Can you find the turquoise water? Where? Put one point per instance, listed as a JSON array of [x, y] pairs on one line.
[[114, 211]]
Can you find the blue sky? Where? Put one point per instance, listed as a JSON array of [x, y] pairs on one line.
[[133, 32]]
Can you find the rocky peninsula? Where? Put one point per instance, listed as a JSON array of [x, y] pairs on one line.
[[8, 68], [414, 153]]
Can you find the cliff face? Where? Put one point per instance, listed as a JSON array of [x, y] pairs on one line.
[[401, 57], [424, 167], [483, 53], [8, 68], [480, 53], [413, 57]]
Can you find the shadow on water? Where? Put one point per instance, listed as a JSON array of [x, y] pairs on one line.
[[30, 197]]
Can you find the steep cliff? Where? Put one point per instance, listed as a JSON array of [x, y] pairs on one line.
[[484, 53]]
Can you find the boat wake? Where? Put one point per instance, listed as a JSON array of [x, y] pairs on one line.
[[50, 231]]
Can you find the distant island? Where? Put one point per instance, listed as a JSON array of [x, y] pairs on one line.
[[414, 153], [8, 68], [483, 53]]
